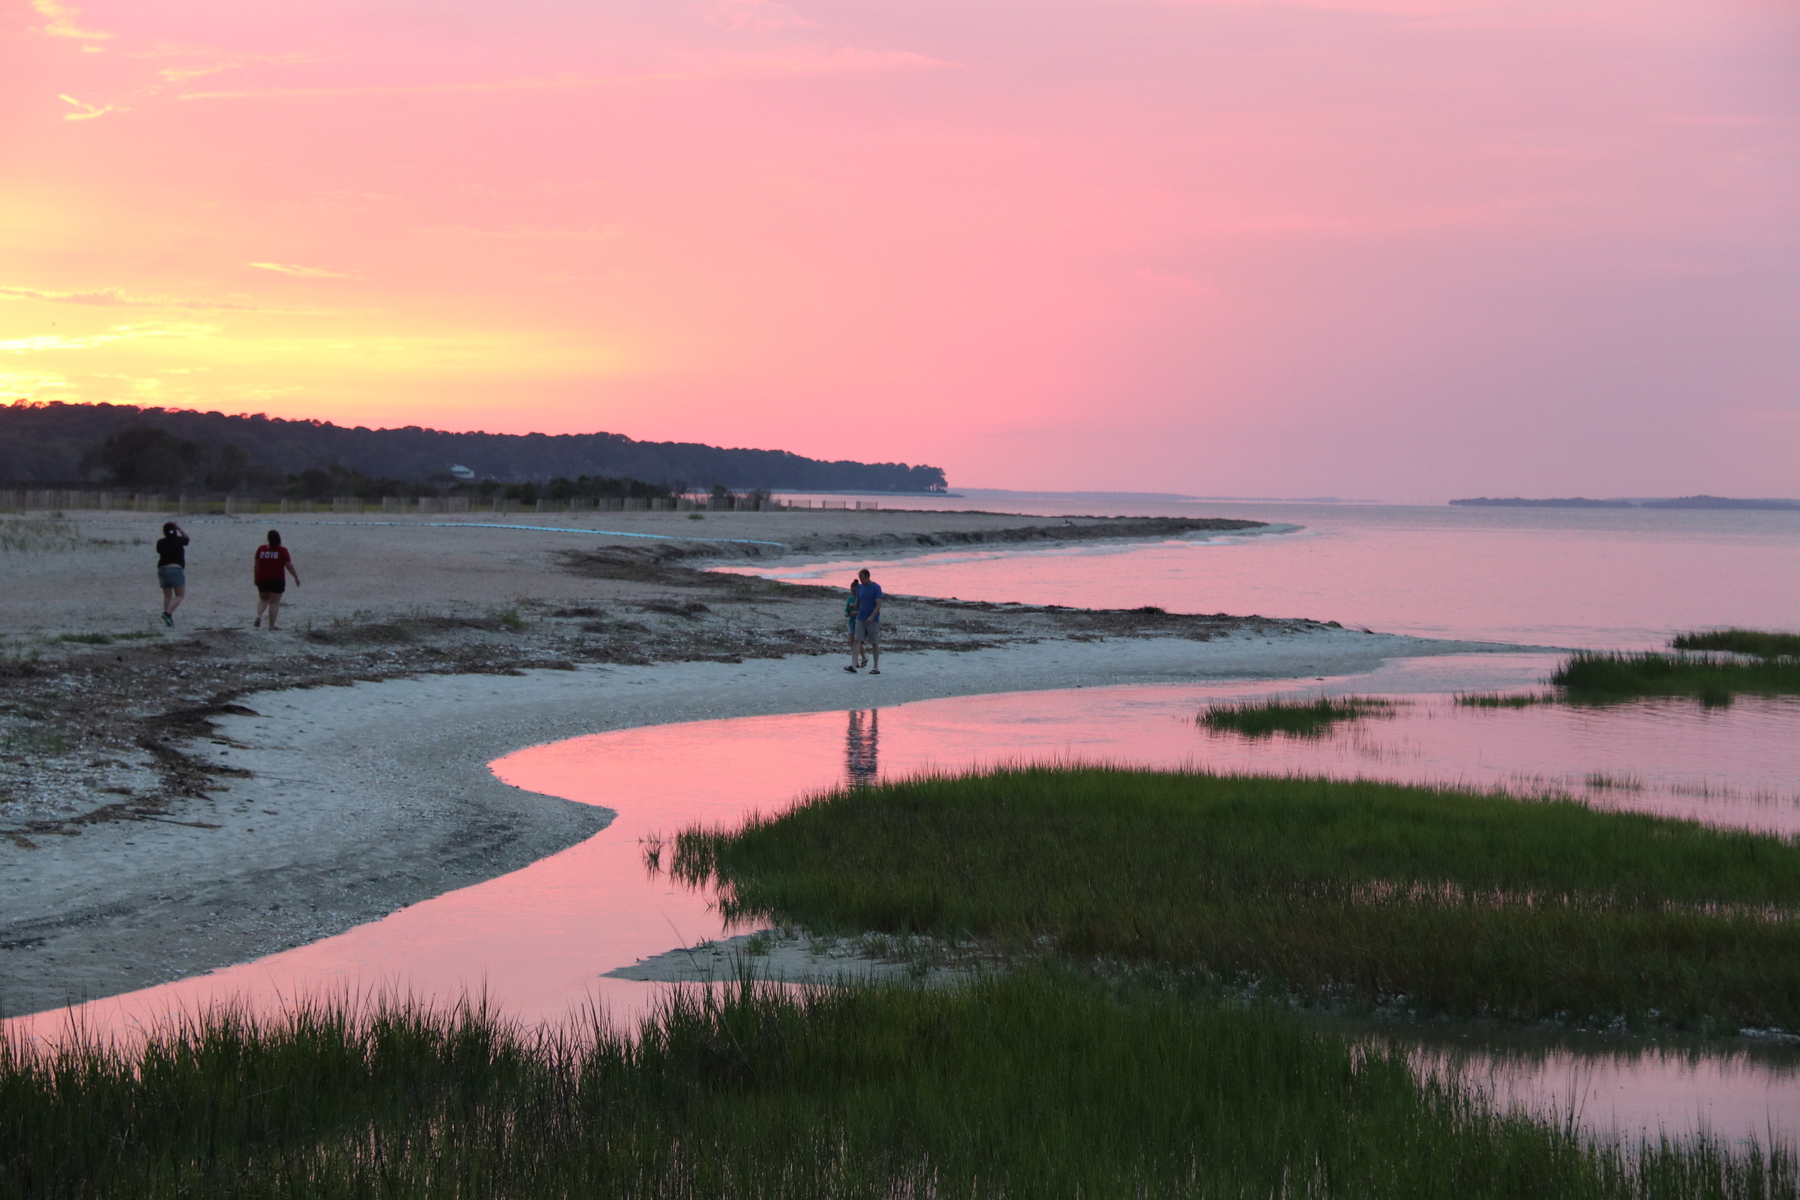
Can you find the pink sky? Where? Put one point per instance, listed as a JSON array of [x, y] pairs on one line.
[[1399, 249]]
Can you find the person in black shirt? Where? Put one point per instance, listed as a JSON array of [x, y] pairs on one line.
[[171, 569]]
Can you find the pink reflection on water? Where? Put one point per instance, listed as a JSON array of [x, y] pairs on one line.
[[1736, 1093], [540, 940], [1617, 579]]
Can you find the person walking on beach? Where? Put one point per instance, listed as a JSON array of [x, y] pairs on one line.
[[171, 569], [868, 619], [856, 657], [271, 561]]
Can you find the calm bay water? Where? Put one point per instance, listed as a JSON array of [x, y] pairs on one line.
[[1618, 578]]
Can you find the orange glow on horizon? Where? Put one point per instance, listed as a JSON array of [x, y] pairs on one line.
[[1378, 247]]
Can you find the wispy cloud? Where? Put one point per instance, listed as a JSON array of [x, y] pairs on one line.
[[118, 333], [804, 61], [59, 21], [209, 61], [118, 298], [302, 272], [29, 383], [88, 111]]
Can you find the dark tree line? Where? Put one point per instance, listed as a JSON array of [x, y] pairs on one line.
[[150, 447]]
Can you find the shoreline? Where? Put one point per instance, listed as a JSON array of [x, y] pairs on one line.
[[177, 800], [364, 798]]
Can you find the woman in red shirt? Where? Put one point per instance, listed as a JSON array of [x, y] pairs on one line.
[[271, 561]]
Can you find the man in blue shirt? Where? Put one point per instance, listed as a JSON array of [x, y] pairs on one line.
[[868, 618]]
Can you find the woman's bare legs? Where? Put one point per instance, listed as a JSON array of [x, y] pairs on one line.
[[172, 598]]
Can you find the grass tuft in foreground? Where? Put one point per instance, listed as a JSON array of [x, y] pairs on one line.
[[107, 639], [1298, 718], [1435, 900], [1039, 1084], [1601, 676], [1754, 642]]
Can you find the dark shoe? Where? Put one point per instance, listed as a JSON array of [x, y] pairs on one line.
[[874, 670], [852, 670], [258, 622], [169, 620]]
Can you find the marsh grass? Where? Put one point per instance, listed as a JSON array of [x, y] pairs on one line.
[[1504, 699], [1595, 676], [1297, 718], [1042, 1083], [1754, 642], [1432, 900]]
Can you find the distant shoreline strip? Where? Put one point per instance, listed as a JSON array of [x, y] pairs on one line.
[[660, 537]]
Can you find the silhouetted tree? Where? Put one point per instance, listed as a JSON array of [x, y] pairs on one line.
[[139, 456]]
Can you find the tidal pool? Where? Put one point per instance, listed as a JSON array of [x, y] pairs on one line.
[[540, 941]]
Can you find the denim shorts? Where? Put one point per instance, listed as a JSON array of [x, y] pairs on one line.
[[171, 577]]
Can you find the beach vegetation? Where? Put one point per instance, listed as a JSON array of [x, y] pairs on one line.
[[107, 639], [1757, 643], [1351, 894], [1297, 718], [1597, 676], [1043, 1083], [37, 743], [1504, 699], [38, 535]]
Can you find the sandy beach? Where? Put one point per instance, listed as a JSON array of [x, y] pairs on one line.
[[182, 800]]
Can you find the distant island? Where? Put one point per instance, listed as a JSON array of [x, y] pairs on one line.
[[1678, 502], [1521, 502], [162, 447]]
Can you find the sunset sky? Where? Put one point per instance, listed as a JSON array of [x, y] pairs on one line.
[[1395, 249]]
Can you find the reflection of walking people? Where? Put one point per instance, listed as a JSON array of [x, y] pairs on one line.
[[868, 619], [862, 748], [271, 561], [171, 569], [856, 656]]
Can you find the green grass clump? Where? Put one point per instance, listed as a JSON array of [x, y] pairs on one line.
[[1601, 676], [39, 743], [1434, 899], [1299, 718], [1504, 699], [1039, 1084], [1754, 642], [107, 639]]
